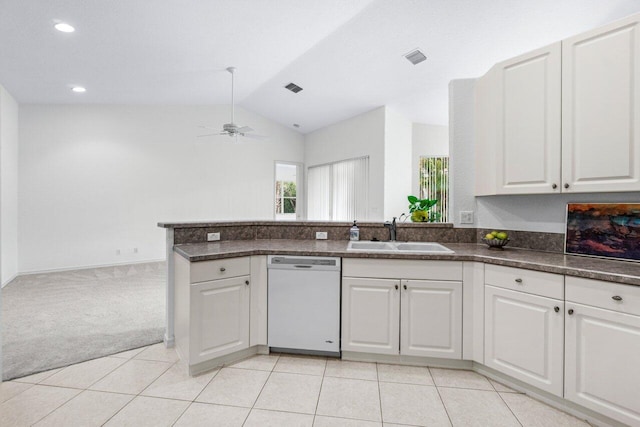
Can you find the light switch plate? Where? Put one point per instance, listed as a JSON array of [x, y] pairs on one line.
[[466, 217], [212, 237], [321, 235]]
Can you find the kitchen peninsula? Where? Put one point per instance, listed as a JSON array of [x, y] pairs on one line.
[[531, 318]]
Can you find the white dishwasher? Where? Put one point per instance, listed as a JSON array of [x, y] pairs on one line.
[[304, 304]]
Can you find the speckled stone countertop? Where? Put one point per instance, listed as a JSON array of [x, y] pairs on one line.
[[592, 268]]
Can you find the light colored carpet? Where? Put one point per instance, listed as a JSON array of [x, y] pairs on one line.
[[57, 319]]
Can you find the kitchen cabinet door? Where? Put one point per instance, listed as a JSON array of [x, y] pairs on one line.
[[528, 121], [601, 109], [219, 318], [370, 315], [524, 337], [601, 369], [431, 319]]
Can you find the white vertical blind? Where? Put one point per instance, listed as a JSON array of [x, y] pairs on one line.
[[434, 184], [339, 191]]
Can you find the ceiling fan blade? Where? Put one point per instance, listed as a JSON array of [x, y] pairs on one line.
[[208, 127], [213, 134], [244, 129], [254, 136]]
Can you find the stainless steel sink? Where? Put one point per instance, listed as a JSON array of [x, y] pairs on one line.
[[410, 247]]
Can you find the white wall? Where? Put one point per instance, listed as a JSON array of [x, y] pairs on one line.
[[427, 140], [397, 164], [94, 179], [8, 187], [461, 150], [358, 136]]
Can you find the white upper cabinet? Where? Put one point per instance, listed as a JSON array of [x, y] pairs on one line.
[[564, 118], [528, 122], [601, 109]]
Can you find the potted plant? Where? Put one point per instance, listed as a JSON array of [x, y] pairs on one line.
[[419, 209]]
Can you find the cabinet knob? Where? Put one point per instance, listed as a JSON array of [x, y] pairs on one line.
[[554, 185], [405, 287], [556, 309], [396, 287], [566, 185], [246, 282], [616, 298], [222, 269], [570, 311], [518, 280]]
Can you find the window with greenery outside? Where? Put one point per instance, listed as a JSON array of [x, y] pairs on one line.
[[285, 197], [434, 184]]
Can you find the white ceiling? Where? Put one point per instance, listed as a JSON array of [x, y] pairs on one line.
[[346, 54]]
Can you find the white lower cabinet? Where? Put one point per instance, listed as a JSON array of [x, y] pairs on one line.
[[431, 319], [218, 308], [219, 318], [602, 345], [414, 317], [524, 337], [370, 315]]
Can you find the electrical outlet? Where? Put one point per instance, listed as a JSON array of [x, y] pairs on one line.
[[321, 235], [466, 217], [212, 237]]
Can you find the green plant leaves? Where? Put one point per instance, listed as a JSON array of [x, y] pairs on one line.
[[416, 204]]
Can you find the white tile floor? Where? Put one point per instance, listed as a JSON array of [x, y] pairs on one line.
[[150, 387]]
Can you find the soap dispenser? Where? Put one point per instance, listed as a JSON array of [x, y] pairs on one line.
[[354, 232]]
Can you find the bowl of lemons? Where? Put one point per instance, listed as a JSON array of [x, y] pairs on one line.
[[496, 239]]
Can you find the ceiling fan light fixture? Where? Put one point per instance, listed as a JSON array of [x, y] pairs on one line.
[[293, 87], [415, 56]]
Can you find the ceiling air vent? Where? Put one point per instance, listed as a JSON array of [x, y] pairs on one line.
[[415, 57], [293, 87]]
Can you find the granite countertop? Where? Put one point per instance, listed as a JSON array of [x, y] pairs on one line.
[[592, 268]]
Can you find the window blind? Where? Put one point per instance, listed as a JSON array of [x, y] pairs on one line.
[[434, 184], [339, 191]]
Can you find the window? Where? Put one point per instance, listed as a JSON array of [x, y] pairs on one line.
[[339, 191], [286, 191], [434, 184]]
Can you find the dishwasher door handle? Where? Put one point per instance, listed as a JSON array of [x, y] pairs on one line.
[[302, 266]]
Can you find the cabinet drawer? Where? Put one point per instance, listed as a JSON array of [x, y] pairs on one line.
[[402, 269], [533, 282], [203, 271], [611, 296]]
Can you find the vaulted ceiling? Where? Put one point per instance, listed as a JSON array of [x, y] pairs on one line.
[[347, 55]]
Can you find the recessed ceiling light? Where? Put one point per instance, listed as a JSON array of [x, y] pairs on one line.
[[415, 56], [64, 27], [295, 125], [78, 89]]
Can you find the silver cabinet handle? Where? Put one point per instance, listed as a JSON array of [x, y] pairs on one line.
[[518, 280], [554, 185], [616, 298], [222, 269], [556, 309]]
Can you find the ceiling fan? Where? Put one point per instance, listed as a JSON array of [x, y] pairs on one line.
[[232, 129]]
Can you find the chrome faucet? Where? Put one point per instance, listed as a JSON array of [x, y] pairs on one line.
[[392, 229]]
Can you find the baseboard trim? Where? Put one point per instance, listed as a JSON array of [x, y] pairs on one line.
[[87, 267], [9, 281]]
